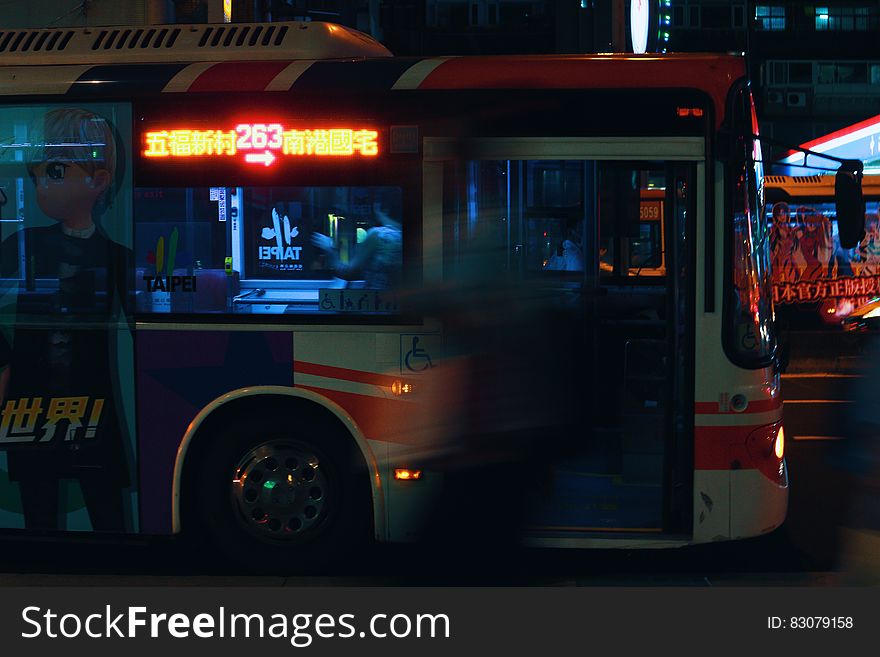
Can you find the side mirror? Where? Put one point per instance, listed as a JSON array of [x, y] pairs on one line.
[[850, 203]]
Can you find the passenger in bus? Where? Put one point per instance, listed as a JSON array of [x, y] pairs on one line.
[[568, 256], [59, 381], [378, 259]]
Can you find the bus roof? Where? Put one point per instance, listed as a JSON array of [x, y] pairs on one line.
[[709, 73], [143, 44], [253, 57]]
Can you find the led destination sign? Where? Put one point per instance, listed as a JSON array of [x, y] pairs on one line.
[[261, 143]]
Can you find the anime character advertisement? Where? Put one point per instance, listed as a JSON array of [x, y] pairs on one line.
[[66, 345], [812, 270]]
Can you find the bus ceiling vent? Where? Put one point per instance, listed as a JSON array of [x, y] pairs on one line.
[[775, 180], [807, 180], [186, 43]]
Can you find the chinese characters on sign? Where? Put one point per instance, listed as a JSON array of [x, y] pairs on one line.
[[20, 419], [189, 143], [261, 142], [860, 288], [811, 269]]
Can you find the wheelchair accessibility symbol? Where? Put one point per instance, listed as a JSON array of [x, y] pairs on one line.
[[417, 359]]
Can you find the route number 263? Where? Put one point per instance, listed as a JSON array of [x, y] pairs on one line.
[[259, 135]]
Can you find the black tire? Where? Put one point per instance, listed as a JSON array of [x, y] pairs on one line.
[[278, 500]]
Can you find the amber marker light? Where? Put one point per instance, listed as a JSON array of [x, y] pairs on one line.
[[406, 474], [779, 443], [399, 388], [690, 111]]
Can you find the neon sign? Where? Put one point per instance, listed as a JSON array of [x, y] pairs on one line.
[[261, 143]]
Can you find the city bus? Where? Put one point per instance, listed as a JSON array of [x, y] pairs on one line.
[[816, 282], [220, 249]]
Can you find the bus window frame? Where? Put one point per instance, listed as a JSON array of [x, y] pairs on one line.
[[737, 142], [619, 150]]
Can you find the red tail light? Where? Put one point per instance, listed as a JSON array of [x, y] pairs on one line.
[[766, 447]]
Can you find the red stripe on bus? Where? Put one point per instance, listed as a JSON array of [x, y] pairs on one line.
[[241, 76], [722, 448], [373, 415], [712, 74], [358, 376], [715, 448], [756, 406]]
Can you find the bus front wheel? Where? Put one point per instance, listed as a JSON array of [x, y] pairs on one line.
[[281, 501]]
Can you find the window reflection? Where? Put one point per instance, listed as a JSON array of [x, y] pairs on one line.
[[265, 249]]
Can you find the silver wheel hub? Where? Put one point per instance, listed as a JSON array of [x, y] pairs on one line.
[[280, 490]]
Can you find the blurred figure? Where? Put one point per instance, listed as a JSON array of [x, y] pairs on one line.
[[512, 353], [860, 535], [377, 260]]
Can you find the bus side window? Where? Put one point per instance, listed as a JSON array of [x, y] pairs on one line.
[[554, 213], [525, 217], [631, 221], [181, 248], [287, 245]]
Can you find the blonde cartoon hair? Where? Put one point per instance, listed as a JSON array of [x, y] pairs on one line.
[[78, 136]]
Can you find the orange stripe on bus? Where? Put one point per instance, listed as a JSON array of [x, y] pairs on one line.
[[331, 372], [375, 416]]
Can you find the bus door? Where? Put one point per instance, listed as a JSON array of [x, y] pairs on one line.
[[606, 246]]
